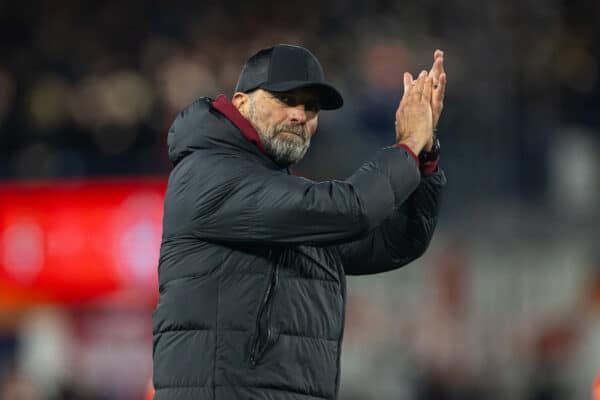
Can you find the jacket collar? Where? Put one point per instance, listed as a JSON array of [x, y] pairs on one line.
[[226, 107]]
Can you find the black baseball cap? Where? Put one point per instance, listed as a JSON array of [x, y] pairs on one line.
[[285, 67]]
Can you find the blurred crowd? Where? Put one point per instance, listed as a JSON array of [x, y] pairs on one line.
[[90, 88]]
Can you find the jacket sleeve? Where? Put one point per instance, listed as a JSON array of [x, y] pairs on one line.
[[402, 237], [236, 200]]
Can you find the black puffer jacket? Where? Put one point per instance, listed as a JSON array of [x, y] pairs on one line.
[[253, 261]]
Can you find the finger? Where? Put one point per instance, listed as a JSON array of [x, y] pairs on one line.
[[440, 91], [418, 89], [408, 79], [438, 53], [437, 69], [426, 97], [442, 70], [408, 83]]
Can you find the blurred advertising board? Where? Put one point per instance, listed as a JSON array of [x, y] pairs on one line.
[[77, 240]]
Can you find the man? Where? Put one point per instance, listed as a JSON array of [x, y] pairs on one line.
[[253, 260]]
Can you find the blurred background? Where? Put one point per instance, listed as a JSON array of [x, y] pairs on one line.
[[505, 304]]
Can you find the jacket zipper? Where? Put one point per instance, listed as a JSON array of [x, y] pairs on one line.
[[341, 338], [257, 349]]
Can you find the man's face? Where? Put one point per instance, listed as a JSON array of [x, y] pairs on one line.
[[285, 121]]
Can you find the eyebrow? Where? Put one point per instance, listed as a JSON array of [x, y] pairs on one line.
[[304, 98]]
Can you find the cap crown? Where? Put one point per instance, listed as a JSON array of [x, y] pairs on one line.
[[285, 67], [281, 63]]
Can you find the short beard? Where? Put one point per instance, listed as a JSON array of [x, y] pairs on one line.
[[283, 151]]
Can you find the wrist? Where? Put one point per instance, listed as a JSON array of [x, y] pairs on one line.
[[430, 143], [414, 145], [428, 146], [432, 154]]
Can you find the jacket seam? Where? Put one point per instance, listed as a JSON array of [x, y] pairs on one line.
[[162, 287], [317, 263], [300, 278], [279, 390], [182, 330], [257, 274], [178, 386], [290, 276], [308, 337], [169, 387], [196, 330]]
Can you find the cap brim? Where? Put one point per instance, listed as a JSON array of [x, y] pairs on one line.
[[329, 97]]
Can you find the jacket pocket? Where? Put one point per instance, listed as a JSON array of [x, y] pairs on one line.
[[264, 335]]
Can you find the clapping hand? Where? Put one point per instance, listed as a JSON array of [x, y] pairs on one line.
[[438, 76], [414, 118]]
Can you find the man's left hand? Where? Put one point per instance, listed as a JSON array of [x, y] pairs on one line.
[[439, 85], [439, 89]]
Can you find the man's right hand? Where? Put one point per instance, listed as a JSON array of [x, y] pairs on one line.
[[414, 120]]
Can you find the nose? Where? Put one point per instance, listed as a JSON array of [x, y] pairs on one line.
[[298, 113]]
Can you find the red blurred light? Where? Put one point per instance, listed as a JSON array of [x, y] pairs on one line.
[[76, 240]]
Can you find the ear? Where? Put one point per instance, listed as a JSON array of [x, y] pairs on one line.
[[240, 101]]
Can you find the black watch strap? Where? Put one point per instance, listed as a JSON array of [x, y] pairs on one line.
[[431, 155]]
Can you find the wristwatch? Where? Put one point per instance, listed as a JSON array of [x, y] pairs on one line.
[[431, 155]]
